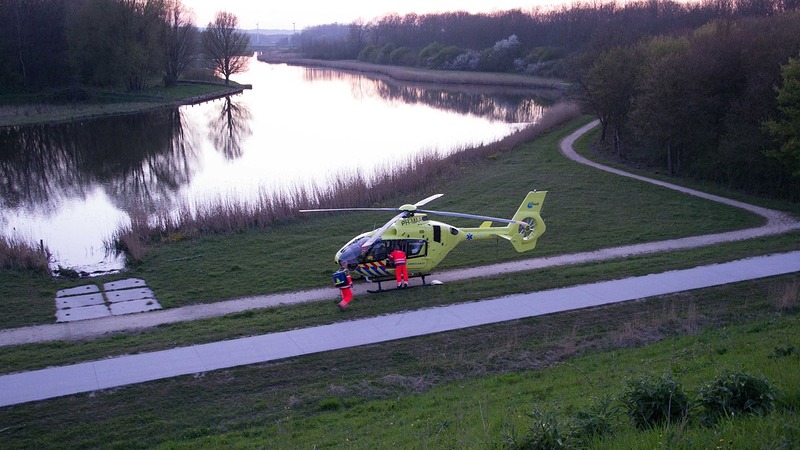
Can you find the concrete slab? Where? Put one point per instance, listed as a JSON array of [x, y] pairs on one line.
[[134, 306], [79, 301], [88, 289], [125, 295], [128, 283], [47, 383], [83, 313], [147, 367], [220, 355]]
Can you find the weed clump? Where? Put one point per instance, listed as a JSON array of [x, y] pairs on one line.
[[652, 402], [735, 393], [549, 431]]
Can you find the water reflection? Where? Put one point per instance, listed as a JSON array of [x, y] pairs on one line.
[[513, 105], [140, 160], [229, 128]]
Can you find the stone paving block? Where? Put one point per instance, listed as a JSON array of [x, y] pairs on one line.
[[84, 313], [126, 295], [88, 289], [79, 301], [134, 306], [128, 283]]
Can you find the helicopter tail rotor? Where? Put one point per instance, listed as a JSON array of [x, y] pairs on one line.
[[524, 237]]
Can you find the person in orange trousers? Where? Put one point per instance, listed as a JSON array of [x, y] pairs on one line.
[[398, 257], [342, 280]]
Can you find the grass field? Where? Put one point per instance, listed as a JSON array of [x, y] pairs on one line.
[[42, 109], [465, 389]]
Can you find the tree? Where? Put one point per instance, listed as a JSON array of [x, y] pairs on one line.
[[117, 42], [33, 44], [787, 130], [180, 37], [609, 87], [225, 46]]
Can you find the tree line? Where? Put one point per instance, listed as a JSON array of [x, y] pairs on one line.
[[708, 90], [128, 44], [714, 104]]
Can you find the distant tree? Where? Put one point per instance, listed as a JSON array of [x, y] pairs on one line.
[[180, 42], [33, 44], [117, 42], [225, 46], [609, 88], [786, 130]]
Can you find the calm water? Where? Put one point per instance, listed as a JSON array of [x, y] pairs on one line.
[[73, 185]]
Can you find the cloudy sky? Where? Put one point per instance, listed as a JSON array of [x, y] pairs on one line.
[[303, 13]]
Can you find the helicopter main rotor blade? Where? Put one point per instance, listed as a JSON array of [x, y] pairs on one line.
[[382, 230], [424, 201], [473, 216], [348, 209]]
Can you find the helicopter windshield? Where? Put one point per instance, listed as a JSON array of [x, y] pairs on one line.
[[350, 254]]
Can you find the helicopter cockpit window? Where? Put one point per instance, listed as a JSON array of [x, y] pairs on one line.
[[415, 248], [377, 252]]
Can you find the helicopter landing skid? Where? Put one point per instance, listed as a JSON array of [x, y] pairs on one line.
[[393, 280]]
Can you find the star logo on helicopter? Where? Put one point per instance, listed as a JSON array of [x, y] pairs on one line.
[[469, 236]]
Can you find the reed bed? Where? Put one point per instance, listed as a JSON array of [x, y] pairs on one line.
[[17, 254], [224, 214]]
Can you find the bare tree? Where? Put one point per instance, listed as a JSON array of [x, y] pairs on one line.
[[225, 46], [180, 42]]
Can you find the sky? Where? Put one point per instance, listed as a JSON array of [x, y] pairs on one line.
[[299, 14]]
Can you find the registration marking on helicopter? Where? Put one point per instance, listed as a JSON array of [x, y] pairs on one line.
[[411, 220]]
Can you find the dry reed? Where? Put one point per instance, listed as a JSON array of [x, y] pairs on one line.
[[19, 255], [345, 190], [786, 296]]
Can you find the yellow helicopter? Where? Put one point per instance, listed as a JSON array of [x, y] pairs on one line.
[[426, 242]]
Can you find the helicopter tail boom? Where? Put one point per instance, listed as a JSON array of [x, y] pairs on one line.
[[522, 230]]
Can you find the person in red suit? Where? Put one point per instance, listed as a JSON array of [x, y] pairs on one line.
[[342, 280], [398, 257]]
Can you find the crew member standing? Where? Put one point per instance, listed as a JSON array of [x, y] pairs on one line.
[[342, 280], [398, 257]]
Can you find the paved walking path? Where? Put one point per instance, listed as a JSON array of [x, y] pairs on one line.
[[125, 370]]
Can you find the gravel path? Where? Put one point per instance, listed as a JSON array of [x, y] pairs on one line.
[[777, 223]]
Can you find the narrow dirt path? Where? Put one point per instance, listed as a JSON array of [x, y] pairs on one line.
[[777, 223]]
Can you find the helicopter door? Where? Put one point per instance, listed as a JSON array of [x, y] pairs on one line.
[[437, 233]]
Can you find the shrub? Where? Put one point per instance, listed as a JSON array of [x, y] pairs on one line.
[[403, 56], [651, 402], [596, 420], [736, 393], [384, 54], [546, 432], [368, 54]]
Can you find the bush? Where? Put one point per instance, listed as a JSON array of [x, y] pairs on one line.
[[651, 402], [736, 393], [368, 54], [546, 432], [384, 55], [596, 420], [404, 56]]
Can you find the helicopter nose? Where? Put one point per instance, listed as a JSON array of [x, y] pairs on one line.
[[348, 256]]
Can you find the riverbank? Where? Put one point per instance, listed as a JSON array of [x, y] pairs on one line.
[[105, 103], [415, 75]]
